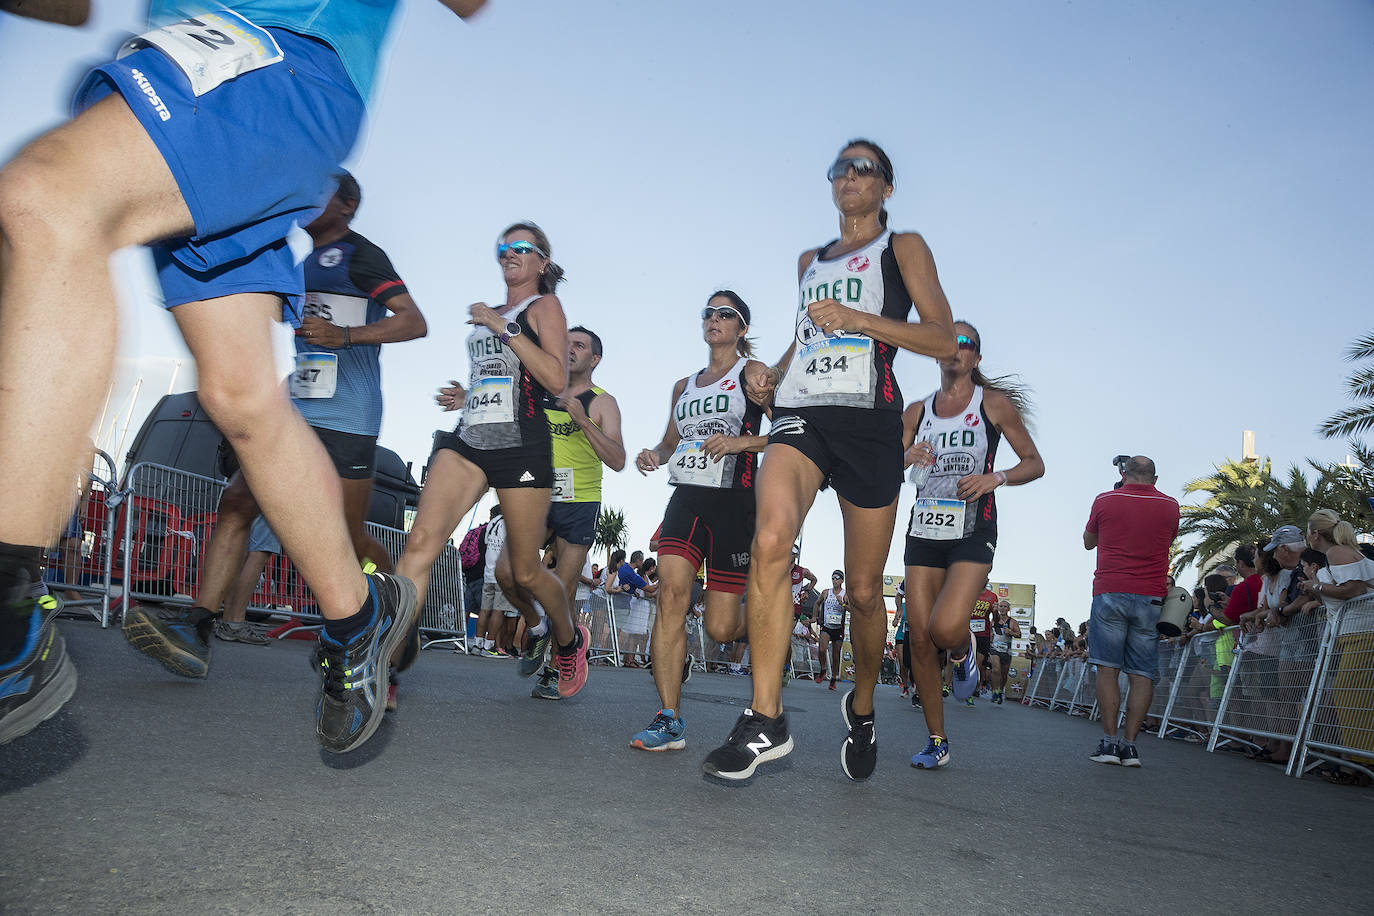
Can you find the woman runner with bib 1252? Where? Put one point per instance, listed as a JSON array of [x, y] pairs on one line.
[[952, 439], [837, 422], [518, 353], [710, 449]]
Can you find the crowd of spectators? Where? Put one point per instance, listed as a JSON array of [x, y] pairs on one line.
[[1270, 600]]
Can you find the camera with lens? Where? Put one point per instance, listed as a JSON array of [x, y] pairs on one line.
[[1120, 462]]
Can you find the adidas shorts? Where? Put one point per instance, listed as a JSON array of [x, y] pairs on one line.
[[521, 467]]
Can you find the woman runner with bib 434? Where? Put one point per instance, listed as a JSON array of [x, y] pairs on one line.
[[837, 422]]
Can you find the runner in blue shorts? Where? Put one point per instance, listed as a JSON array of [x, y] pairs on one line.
[[211, 137]]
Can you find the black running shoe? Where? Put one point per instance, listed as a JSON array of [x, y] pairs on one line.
[[859, 755], [535, 651], [40, 679], [755, 739], [687, 664], [353, 695], [180, 640]]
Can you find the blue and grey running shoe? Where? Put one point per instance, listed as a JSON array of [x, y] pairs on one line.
[[935, 755], [966, 672], [353, 695], [35, 683], [536, 649], [665, 733], [546, 688]]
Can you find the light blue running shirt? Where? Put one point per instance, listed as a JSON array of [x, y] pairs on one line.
[[355, 29]]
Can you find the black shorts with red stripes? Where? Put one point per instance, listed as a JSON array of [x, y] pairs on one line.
[[715, 525]]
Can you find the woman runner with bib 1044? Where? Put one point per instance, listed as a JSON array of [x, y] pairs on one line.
[[709, 448], [952, 439], [518, 353], [836, 421]]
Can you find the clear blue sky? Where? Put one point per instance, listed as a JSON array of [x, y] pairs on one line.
[[1157, 214]]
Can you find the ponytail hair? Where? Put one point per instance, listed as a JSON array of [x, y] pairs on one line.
[[552, 274], [1332, 527], [1016, 391]]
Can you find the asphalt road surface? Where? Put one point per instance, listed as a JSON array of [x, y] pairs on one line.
[[154, 794]]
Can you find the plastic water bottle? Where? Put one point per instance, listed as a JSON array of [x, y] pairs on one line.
[[920, 473]]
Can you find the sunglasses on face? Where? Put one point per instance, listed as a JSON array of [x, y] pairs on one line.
[[724, 311], [862, 166], [518, 248], [966, 343]]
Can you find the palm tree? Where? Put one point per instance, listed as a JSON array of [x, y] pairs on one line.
[[1352, 421], [1246, 502], [611, 531]]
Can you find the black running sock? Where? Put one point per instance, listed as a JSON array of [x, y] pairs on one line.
[[20, 567], [345, 628], [573, 646]]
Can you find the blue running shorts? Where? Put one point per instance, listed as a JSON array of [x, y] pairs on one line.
[[252, 157]]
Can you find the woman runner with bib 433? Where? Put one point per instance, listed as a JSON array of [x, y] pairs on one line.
[[952, 439], [709, 449], [836, 421]]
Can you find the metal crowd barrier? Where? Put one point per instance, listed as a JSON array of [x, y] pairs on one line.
[[626, 635], [598, 617], [1070, 680], [79, 567], [1310, 683], [1200, 684], [1042, 692], [1339, 727], [1268, 688], [166, 517]]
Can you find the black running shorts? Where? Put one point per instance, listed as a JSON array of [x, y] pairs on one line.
[[354, 456], [977, 547], [521, 467], [859, 451], [704, 523]]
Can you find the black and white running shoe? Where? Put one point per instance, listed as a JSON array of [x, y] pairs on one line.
[[754, 740]]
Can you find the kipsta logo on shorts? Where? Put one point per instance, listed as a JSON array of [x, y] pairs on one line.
[[330, 257], [971, 420], [858, 263], [727, 384]]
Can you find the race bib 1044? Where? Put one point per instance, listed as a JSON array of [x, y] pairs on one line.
[[691, 465], [937, 519], [836, 365], [491, 400], [211, 48], [316, 375]]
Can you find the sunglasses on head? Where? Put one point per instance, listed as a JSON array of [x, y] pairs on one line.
[[724, 311], [966, 343], [862, 166], [520, 247]]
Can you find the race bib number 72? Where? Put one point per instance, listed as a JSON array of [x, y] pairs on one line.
[[212, 48]]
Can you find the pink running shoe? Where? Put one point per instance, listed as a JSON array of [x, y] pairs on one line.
[[572, 668]]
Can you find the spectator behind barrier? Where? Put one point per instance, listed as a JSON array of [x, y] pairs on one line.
[[1132, 529], [1349, 574]]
